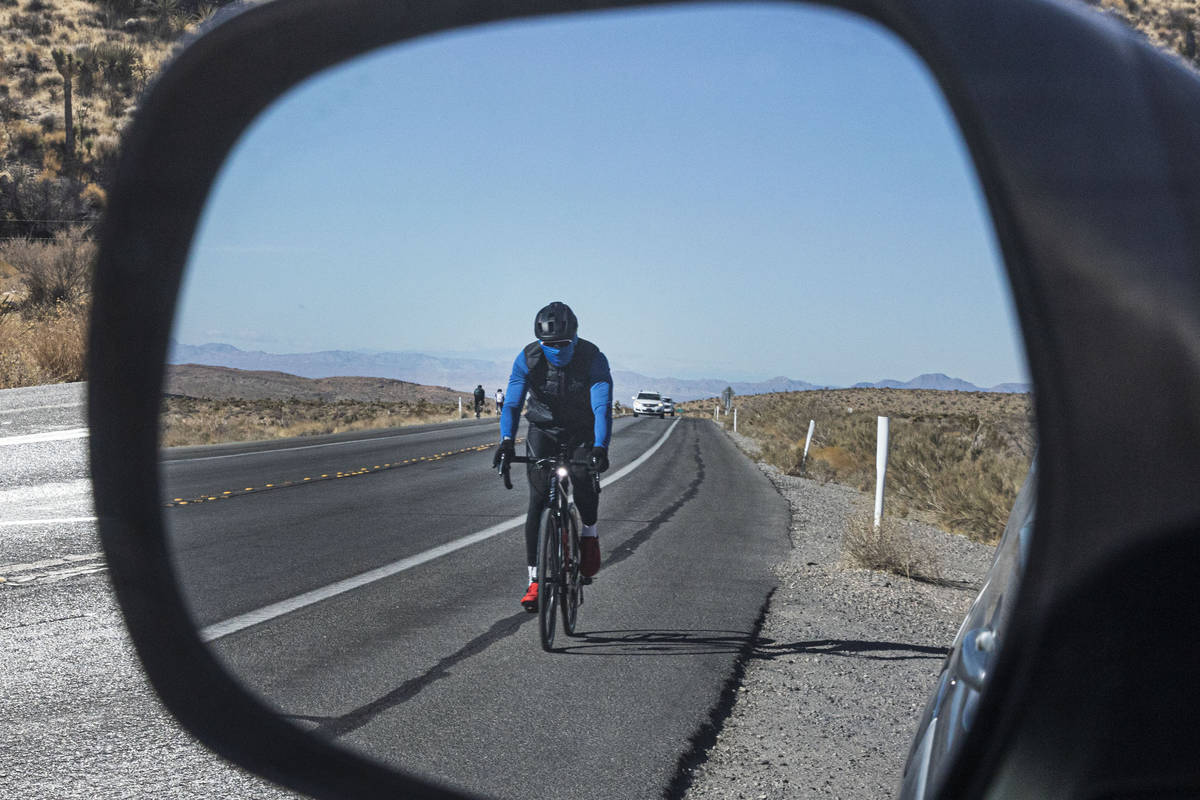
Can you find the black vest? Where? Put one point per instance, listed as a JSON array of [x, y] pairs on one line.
[[560, 399]]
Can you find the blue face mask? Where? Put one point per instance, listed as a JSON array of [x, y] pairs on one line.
[[560, 356]]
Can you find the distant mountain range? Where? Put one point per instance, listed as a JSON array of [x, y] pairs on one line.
[[462, 374], [942, 383]]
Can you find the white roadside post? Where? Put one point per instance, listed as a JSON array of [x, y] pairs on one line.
[[735, 420], [812, 423], [460, 408], [881, 455]]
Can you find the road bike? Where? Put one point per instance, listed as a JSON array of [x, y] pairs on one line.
[[560, 583]]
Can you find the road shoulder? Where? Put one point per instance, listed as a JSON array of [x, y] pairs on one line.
[[834, 687]]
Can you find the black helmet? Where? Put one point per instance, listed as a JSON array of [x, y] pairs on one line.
[[555, 323]]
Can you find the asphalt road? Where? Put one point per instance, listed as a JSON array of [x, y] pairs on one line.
[[434, 666], [79, 719]]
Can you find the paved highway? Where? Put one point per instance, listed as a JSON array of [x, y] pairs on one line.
[[325, 574], [79, 719]]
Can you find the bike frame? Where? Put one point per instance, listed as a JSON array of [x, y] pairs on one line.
[[565, 585]]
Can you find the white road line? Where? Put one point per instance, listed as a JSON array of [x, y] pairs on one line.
[[298, 447], [52, 569], [78, 405], [243, 621], [12, 523], [32, 566], [51, 436]]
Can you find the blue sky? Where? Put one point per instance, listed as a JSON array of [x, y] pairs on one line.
[[733, 192]]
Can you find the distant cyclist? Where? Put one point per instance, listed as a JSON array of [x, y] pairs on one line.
[[570, 402], [479, 396], [499, 400]]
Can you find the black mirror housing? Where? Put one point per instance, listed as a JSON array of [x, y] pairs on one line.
[[1087, 145]]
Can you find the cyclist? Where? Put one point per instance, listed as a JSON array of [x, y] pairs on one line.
[[499, 400], [479, 395], [570, 403]]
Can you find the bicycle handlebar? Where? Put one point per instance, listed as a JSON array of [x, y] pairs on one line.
[[506, 461]]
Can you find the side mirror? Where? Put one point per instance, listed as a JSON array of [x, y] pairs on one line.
[[1087, 146]]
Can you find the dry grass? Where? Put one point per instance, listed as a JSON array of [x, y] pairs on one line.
[[51, 272], [192, 421], [888, 548], [955, 457], [46, 348]]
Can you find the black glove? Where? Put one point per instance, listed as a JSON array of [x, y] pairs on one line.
[[599, 459], [505, 450]]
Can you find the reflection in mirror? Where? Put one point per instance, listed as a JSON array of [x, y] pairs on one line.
[[721, 195]]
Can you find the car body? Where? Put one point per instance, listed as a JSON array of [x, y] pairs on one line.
[[648, 404], [668, 406], [950, 711]]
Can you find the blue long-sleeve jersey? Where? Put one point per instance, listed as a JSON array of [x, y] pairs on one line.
[[600, 388]]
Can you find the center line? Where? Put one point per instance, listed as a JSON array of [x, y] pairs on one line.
[[250, 618]]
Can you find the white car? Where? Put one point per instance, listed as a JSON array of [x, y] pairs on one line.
[[668, 406], [648, 403]]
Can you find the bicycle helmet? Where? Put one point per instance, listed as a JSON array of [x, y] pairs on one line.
[[555, 323]]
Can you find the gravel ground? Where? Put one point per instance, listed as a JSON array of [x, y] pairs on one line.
[[833, 690]]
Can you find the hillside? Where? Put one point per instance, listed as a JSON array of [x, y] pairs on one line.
[[223, 383], [71, 74], [958, 457], [206, 405]]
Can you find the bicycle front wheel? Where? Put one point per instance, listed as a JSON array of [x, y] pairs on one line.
[[549, 576], [572, 591]]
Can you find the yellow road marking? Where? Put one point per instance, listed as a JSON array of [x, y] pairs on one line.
[[203, 498]]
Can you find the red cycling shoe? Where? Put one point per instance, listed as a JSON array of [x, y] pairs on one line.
[[530, 598]]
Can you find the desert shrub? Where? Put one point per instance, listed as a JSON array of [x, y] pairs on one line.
[[25, 141], [110, 65], [167, 15], [113, 13], [32, 202], [28, 83], [32, 24], [60, 345], [52, 272], [118, 62], [94, 196], [107, 148], [33, 59], [54, 152], [888, 548], [48, 348]]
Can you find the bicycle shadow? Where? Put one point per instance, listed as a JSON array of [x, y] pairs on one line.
[[659, 642], [653, 642]]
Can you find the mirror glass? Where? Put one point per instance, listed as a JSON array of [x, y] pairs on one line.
[[723, 195]]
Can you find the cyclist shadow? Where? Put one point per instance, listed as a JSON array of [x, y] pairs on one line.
[[655, 642], [651, 642]]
